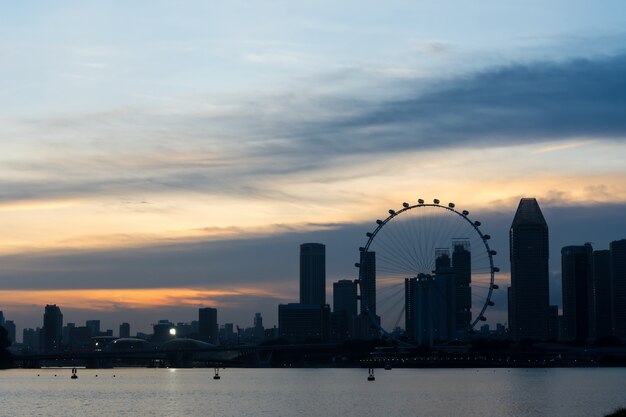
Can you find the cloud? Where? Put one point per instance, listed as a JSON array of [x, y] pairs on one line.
[[564, 146], [514, 104], [246, 148]]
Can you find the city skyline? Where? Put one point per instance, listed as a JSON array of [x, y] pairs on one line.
[[181, 313], [157, 158], [525, 216]]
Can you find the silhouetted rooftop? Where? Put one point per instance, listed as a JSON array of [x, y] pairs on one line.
[[528, 213]]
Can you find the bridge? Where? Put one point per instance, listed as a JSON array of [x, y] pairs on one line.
[[254, 356]]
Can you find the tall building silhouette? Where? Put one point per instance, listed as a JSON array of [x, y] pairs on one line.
[[429, 308], [577, 273], [529, 252], [93, 326], [124, 330], [52, 328], [445, 315], [367, 322], [618, 287], [462, 268], [344, 310], [368, 284], [312, 274], [10, 326], [600, 295], [299, 322], [430, 312], [344, 296], [257, 328], [207, 324], [553, 322]]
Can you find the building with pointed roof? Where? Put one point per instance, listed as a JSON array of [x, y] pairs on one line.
[[529, 253]]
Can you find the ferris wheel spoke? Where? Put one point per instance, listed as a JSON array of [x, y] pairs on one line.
[[410, 243], [393, 262], [391, 286], [392, 302], [383, 242], [395, 269], [399, 316], [391, 295], [400, 244], [417, 248]]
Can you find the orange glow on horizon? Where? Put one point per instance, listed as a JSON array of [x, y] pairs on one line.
[[135, 298]]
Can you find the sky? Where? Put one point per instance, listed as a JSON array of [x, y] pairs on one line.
[[160, 156]]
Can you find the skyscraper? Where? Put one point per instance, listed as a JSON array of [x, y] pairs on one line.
[[368, 284], [207, 324], [10, 326], [124, 330], [312, 274], [52, 328], [258, 329], [344, 310], [93, 326], [577, 272], [618, 287], [529, 252], [344, 296], [430, 313], [462, 268], [299, 322], [600, 305]]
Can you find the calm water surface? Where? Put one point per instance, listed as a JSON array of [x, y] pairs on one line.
[[313, 392]]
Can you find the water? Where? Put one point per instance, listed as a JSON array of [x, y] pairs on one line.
[[314, 392]]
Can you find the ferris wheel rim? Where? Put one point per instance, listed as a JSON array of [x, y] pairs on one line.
[[451, 207]]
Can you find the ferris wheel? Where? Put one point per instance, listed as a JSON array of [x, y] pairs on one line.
[[426, 273]]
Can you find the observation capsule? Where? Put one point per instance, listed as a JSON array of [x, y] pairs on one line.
[[358, 265], [496, 269], [392, 212], [491, 303], [421, 201], [465, 212], [493, 252], [477, 223], [486, 237], [405, 205], [495, 286], [451, 205], [379, 221], [436, 201]]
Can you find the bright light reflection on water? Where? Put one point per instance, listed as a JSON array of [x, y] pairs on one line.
[[313, 392]]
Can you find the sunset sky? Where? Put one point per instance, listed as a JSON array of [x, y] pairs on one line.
[[160, 156]]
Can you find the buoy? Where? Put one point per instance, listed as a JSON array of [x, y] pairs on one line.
[[217, 373], [74, 376], [371, 376]]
